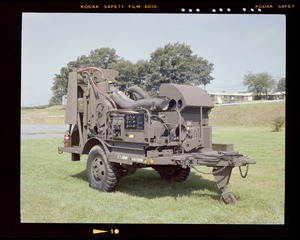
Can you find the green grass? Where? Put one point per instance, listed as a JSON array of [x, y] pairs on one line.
[[46, 115], [256, 114], [55, 190]]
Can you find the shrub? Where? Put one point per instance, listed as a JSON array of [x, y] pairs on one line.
[[278, 123]]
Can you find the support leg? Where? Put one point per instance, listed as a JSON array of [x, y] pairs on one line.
[[222, 176]]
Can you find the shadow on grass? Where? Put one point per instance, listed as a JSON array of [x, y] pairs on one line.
[[148, 184], [81, 175]]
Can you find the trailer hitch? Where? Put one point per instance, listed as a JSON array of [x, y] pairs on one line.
[[222, 163]]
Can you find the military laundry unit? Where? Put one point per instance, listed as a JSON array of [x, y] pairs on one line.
[[122, 131]]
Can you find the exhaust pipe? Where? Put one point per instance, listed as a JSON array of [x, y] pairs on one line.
[[127, 103]]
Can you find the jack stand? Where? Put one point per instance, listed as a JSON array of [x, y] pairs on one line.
[[222, 176]]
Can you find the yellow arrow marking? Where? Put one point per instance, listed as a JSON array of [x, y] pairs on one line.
[[96, 231]]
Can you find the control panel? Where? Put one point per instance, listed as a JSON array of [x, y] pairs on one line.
[[134, 121]]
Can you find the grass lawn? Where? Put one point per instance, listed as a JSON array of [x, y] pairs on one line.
[[55, 190], [47, 115]]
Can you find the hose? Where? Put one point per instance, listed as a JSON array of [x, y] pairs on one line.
[[127, 103], [90, 68], [85, 70], [139, 91]]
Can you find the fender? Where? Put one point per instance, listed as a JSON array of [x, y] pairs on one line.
[[92, 142]]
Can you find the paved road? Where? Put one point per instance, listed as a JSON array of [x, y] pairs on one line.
[[42, 130]]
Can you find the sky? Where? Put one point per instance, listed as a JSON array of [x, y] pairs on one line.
[[235, 43]]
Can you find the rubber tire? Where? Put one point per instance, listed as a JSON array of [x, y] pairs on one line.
[[127, 171], [101, 174], [228, 198], [169, 173], [182, 174]]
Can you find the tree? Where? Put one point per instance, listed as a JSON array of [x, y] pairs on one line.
[[175, 63], [103, 57], [131, 73], [59, 88], [281, 85], [260, 84], [127, 73]]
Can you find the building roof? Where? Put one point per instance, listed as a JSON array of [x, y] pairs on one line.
[[230, 94], [241, 94]]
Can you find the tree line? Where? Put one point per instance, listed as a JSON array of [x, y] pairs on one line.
[[173, 63], [263, 84]]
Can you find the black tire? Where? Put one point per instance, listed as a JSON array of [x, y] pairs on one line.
[[182, 174], [101, 174], [228, 198], [169, 173], [126, 171]]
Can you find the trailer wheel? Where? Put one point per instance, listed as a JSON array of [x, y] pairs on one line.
[[227, 198], [126, 171], [182, 174], [169, 173], [101, 174]]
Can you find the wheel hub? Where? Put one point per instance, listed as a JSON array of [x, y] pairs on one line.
[[98, 169]]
